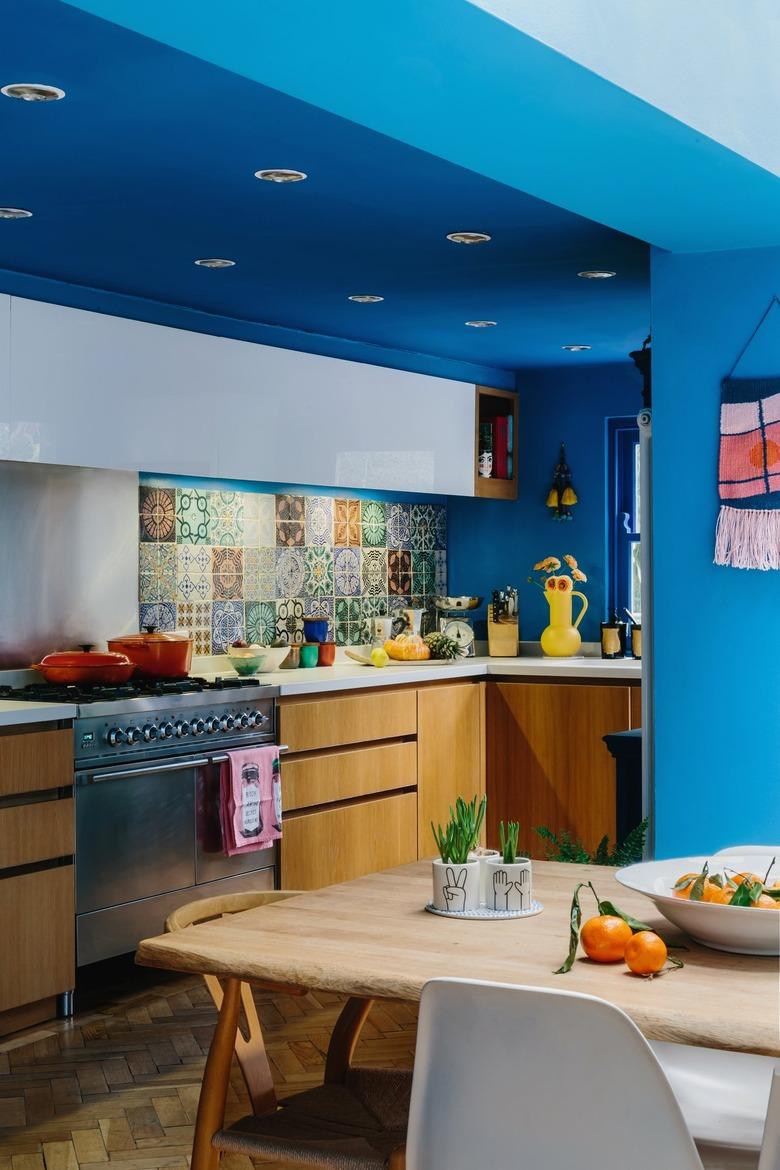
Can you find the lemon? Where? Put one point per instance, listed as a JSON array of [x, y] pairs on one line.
[[379, 657]]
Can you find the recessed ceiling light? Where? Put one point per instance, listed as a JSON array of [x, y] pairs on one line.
[[468, 237], [365, 299], [596, 274], [28, 91], [14, 213], [214, 262], [575, 348], [281, 176], [481, 324]]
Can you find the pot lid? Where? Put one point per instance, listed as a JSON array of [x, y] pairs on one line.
[[85, 658], [150, 634]]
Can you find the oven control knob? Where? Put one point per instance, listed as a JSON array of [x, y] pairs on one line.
[[167, 730], [227, 723], [133, 734], [244, 721], [116, 735], [197, 727], [257, 719], [212, 725], [182, 728], [150, 732]]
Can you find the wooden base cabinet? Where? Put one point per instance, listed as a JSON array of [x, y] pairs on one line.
[[450, 760], [546, 761], [342, 842]]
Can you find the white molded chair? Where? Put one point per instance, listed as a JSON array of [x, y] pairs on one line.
[[519, 1076], [770, 1150]]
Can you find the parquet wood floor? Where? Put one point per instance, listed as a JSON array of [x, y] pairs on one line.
[[117, 1087]]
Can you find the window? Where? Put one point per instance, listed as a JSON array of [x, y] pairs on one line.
[[625, 590]]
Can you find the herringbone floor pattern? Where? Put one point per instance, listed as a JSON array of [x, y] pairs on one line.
[[117, 1087]]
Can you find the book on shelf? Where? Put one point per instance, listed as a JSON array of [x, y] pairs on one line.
[[500, 426]]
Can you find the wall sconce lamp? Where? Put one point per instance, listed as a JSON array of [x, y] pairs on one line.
[[562, 497]]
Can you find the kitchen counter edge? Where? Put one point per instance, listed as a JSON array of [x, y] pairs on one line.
[[15, 714]]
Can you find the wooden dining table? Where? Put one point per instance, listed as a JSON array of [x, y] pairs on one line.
[[372, 939]]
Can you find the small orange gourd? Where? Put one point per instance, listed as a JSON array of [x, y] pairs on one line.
[[407, 648]]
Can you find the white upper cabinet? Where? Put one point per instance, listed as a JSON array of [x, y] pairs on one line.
[[93, 390]]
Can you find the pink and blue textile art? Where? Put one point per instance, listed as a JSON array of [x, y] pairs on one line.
[[748, 532]]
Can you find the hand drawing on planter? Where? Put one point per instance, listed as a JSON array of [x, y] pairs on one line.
[[455, 890]]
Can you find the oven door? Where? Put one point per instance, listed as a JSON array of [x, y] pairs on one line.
[[135, 832]]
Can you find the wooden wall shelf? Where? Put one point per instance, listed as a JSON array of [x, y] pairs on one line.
[[488, 404]]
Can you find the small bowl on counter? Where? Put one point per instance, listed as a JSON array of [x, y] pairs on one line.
[[246, 660]]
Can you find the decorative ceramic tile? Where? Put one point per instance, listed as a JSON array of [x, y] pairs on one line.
[[195, 616], [342, 633], [158, 513], [260, 622], [193, 572], [423, 573], [319, 520], [378, 606], [226, 514], [291, 508], [157, 572], [289, 619], [373, 571], [423, 527], [440, 573], [227, 624], [399, 531], [259, 574], [290, 534], [346, 563], [399, 572], [259, 520], [440, 527], [347, 610], [228, 573], [161, 614], [290, 572], [192, 516], [372, 523], [346, 523], [352, 633], [319, 571]]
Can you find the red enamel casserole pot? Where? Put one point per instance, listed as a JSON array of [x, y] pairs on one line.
[[156, 654]]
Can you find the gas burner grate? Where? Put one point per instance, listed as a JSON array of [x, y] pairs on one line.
[[142, 688]]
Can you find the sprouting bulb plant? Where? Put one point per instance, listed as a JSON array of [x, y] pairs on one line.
[[460, 835], [507, 840]]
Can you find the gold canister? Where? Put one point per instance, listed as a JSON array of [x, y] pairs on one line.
[[636, 641]]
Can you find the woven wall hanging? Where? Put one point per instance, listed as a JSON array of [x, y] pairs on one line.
[[748, 529]]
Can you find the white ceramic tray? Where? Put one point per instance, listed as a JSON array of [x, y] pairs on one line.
[[484, 912]]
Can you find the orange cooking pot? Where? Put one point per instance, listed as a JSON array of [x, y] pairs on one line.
[[156, 654], [74, 667]]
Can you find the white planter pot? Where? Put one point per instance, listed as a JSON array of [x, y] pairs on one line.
[[483, 856], [455, 887], [508, 887]]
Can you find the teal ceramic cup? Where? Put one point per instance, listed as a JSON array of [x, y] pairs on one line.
[[309, 653]]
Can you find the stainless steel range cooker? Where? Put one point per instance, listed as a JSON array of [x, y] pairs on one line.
[[146, 764]]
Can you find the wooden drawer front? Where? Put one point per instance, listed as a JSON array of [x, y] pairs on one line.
[[34, 760], [328, 777], [37, 912], [338, 844], [306, 725], [36, 832]]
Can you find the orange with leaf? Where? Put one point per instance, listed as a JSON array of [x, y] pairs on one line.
[[729, 889], [612, 936]]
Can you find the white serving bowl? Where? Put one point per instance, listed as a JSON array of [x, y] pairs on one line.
[[272, 656], [740, 929]]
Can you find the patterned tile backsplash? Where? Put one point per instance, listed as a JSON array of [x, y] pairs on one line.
[[230, 564]]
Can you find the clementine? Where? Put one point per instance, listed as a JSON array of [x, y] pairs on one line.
[[604, 938], [645, 953]]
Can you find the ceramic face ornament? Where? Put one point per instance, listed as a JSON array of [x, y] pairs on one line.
[[486, 464]]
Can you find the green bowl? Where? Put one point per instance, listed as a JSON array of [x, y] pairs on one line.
[[246, 666]]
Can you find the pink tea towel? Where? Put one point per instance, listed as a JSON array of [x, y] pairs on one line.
[[251, 799]]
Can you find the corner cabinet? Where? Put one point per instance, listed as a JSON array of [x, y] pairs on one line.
[[497, 410]]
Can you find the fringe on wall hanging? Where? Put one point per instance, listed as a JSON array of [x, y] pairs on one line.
[[748, 529]]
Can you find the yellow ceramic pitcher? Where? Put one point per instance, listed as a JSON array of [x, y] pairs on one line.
[[561, 639]]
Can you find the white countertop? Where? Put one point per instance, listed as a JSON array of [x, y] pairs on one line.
[[13, 714]]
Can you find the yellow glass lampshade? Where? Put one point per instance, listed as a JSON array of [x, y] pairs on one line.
[[552, 498], [569, 496]]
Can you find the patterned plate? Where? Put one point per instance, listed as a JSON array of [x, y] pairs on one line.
[[485, 912]]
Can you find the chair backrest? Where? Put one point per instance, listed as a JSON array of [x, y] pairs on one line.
[[511, 1076], [208, 908], [738, 850], [770, 1147]]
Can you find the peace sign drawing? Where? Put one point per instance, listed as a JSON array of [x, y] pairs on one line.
[[455, 889]]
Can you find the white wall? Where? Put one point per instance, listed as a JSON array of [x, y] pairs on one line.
[[709, 63], [88, 389]]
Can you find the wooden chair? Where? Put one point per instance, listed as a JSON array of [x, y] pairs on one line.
[[355, 1120]]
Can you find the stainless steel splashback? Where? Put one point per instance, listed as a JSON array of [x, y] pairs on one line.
[[68, 558]]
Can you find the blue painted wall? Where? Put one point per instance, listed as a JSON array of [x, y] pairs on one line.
[[717, 632], [494, 542]]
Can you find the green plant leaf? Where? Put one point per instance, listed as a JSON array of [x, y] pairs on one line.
[[575, 921], [697, 889], [616, 912]]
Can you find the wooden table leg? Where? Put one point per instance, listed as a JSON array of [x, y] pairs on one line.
[[213, 1094], [250, 1050], [345, 1036]]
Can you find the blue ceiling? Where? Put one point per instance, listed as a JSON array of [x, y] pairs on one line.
[[149, 163]]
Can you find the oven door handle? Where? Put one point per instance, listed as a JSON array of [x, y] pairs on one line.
[[224, 759], [149, 770]]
